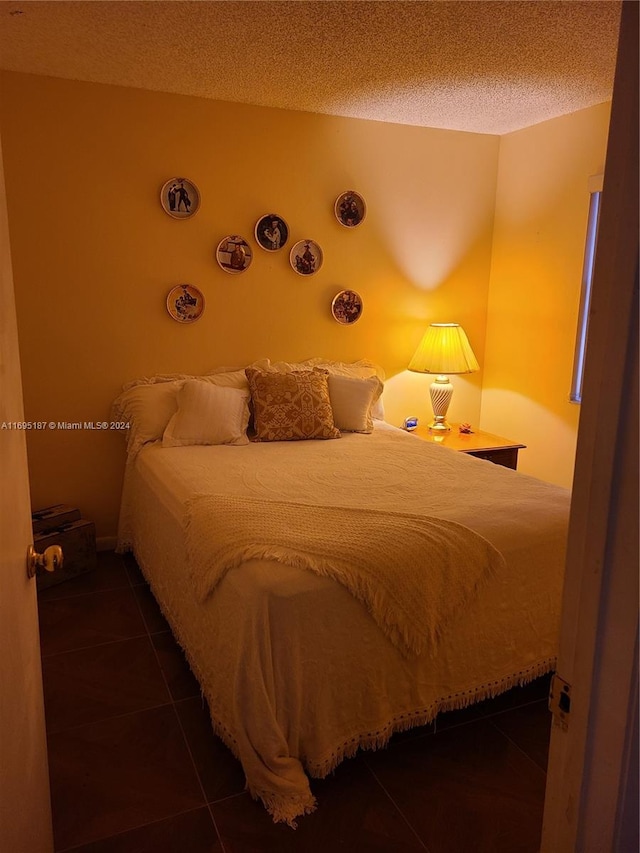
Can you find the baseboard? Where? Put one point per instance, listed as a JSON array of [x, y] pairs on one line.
[[106, 543]]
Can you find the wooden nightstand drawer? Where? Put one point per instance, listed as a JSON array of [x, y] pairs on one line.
[[482, 445], [508, 457]]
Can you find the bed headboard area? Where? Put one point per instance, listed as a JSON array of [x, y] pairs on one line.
[[96, 251], [266, 401]]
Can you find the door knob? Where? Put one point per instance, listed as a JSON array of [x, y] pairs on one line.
[[49, 561]]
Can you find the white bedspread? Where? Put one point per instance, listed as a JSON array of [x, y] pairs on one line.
[[296, 672]]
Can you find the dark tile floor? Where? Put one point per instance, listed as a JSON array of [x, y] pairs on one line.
[[135, 767]]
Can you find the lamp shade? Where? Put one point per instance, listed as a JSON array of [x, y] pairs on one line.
[[444, 349]]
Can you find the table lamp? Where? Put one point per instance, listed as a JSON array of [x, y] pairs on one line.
[[443, 349]]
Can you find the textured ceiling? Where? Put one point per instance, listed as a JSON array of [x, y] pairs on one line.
[[481, 65]]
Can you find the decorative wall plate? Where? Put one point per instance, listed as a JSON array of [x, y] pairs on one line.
[[350, 209], [185, 303], [306, 257], [180, 198], [271, 232], [234, 254], [346, 307]]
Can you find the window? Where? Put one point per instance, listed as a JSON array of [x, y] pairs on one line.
[[585, 297]]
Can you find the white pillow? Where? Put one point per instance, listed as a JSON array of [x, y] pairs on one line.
[[147, 409], [148, 404], [211, 375], [363, 369], [228, 379], [352, 400], [208, 413]]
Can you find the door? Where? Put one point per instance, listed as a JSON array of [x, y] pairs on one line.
[[591, 803], [25, 810]]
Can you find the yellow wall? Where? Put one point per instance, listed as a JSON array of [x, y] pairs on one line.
[[94, 254], [542, 203]]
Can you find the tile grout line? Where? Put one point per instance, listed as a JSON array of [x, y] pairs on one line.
[[518, 747], [52, 655], [125, 831], [55, 599], [228, 797], [179, 721], [223, 849], [130, 587], [195, 770], [493, 714], [126, 584], [53, 732], [395, 805]]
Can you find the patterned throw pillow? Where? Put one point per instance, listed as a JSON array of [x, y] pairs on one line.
[[291, 406], [361, 369]]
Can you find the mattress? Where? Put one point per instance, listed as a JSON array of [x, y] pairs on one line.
[[296, 673]]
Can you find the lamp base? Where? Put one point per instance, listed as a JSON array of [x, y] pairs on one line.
[[441, 392], [439, 426]]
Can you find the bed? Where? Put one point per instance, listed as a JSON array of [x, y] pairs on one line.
[[297, 660]]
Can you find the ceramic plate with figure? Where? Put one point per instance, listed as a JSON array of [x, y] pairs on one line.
[[185, 303], [272, 232], [180, 198], [350, 209], [306, 257], [234, 254], [346, 307]]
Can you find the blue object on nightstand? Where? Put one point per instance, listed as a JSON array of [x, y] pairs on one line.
[[410, 423]]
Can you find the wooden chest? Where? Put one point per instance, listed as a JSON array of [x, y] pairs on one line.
[[62, 525]]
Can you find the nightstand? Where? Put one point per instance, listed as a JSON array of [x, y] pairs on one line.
[[484, 445]]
